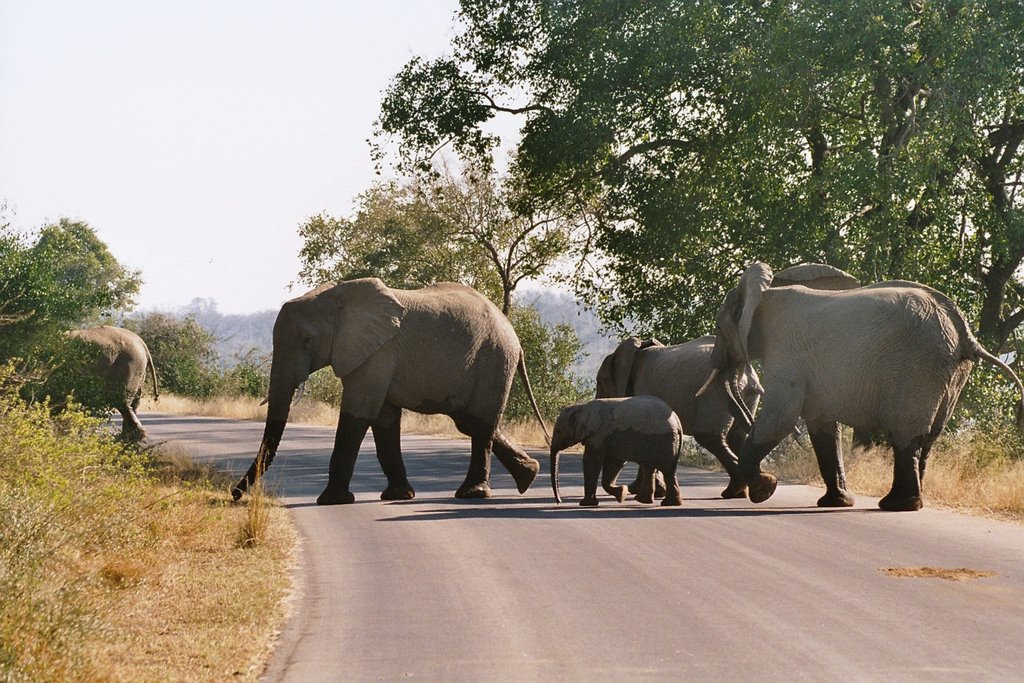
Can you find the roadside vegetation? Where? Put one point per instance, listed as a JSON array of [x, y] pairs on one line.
[[120, 564]]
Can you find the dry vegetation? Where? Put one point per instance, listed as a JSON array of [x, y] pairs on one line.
[[119, 565]]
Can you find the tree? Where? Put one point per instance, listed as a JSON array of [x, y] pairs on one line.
[[183, 353], [881, 137], [61, 280], [445, 227], [550, 352]]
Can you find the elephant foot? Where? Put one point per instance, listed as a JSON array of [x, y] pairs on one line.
[[644, 497], [735, 489], [238, 489], [762, 489], [401, 491], [588, 502], [893, 503], [524, 477], [335, 496], [836, 499], [618, 492], [672, 501], [481, 490]]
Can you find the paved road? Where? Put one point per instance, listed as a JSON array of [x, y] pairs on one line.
[[516, 588]]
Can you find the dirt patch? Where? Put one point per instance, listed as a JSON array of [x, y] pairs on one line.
[[959, 574]]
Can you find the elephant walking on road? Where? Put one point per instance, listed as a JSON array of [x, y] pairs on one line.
[[674, 374], [891, 357], [641, 429], [442, 349], [121, 365]]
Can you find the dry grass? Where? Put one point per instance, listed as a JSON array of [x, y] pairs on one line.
[[308, 411], [117, 565], [197, 605]]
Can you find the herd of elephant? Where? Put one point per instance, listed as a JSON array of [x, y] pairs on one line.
[[888, 358]]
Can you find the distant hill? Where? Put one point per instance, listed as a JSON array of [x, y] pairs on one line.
[[236, 334]]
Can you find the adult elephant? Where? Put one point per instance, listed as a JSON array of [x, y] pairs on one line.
[[120, 364], [891, 357], [674, 374], [441, 349]]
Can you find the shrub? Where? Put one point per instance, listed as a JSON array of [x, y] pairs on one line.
[[183, 353]]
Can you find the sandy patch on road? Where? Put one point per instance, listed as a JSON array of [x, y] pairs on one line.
[[960, 574]]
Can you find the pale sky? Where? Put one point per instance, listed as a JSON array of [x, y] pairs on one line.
[[194, 136]]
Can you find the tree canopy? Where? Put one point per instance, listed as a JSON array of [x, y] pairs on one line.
[[62, 278], [883, 137]]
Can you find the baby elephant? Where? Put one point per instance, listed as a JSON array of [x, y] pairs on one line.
[[641, 429]]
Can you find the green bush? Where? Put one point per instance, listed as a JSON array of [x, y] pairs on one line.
[[249, 376], [183, 353], [551, 351], [65, 489], [322, 385]]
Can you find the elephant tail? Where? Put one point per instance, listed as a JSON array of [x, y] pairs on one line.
[[554, 474], [521, 367], [152, 370], [981, 352]]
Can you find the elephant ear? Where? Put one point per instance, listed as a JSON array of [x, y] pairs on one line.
[[815, 276], [368, 315], [755, 280]]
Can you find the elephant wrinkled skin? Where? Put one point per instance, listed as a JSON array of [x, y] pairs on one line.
[[441, 349], [891, 357]]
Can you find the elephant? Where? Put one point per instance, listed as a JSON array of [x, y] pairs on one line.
[[891, 357], [673, 374], [444, 349], [121, 364], [641, 429]]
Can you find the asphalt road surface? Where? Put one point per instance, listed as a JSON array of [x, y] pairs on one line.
[[516, 588]]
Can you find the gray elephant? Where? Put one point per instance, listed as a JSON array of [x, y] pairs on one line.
[[890, 357], [121, 364], [674, 374], [441, 349], [641, 429]]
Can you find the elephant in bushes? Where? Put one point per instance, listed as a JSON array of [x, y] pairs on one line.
[[641, 429], [674, 374], [890, 357], [121, 364], [441, 349]]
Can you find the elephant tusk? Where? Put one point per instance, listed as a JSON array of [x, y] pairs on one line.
[[707, 384]]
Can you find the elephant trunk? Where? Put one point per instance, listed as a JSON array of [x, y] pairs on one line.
[[277, 417], [554, 472], [737, 407]]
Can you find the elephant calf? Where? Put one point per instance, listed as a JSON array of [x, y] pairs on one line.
[[641, 429]]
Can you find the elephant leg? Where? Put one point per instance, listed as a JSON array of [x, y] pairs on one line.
[[477, 483], [521, 466], [387, 436], [925, 450], [347, 440], [673, 496], [774, 422], [905, 494], [609, 475], [647, 483], [591, 471], [825, 438], [131, 428], [717, 445], [643, 475]]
